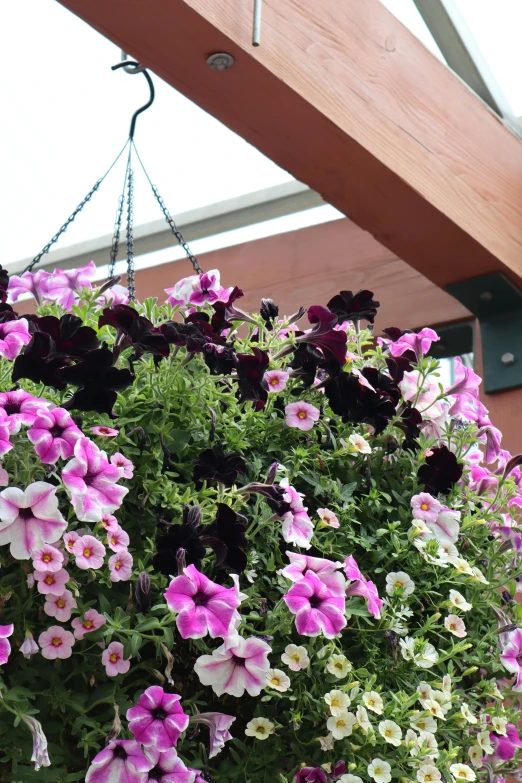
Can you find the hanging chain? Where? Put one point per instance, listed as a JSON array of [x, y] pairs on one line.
[[170, 220], [130, 238]]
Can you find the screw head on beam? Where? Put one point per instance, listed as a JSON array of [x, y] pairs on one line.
[[220, 61], [508, 358]]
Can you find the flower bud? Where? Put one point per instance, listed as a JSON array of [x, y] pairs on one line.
[[29, 646], [272, 473], [191, 516], [143, 592], [181, 560]]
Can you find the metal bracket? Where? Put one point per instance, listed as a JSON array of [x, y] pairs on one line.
[[497, 304]]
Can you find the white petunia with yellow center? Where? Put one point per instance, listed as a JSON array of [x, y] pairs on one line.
[[391, 732], [427, 773], [424, 723], [260, 728], [339, 666], [337, 701], [399, 583], [424, 690], [467, 714], [380, 771], [373, 701], [457, 600], [277, 680], [362, 719], [478, 576], [295, 657], [441, 699], [433, 708], [462, 566], [358, 445], [499, 726], [476, 754], [422, 653], [341, 725], [485, 743], [455, 625], [349, 779], [462, 772], [428, 744]]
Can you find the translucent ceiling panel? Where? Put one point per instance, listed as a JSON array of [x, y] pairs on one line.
[[407, 13], [496, 26], [65, 115]]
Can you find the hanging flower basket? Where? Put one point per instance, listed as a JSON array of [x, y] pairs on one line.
[[248, 547]]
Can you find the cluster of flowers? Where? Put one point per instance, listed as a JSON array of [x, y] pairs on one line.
[[372, 628]]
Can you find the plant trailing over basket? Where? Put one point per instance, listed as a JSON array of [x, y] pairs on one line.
[[248, 547]]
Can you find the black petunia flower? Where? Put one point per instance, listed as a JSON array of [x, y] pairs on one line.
[[4, 283], [268, 311], [193, 335], [215, 465], [358, 307], [134, 329], [273, 493], [440, 472], [37, 364], [98, 381], [251, 368], [8, 314], [226, 312], [332, 342], [227, 537], [355, 402], [410, 423], [69, 336], [186, 535], [220, 359]]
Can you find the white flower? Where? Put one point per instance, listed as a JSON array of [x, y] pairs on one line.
[[478, 576], [391, 732], [428, 743], [358, 444], [424, 691], [362, 719], [455, 625], [410, 740], [422, 653], [475, 755], [339, 666], [399, 581], [499, 726], [277, 680], [349, 779], [295, 657], [467, 714], [441, 698], [419, 528], [462, 772], [433, 707], [427, 658], [373, 701], [341, 725], [448, 550], [457, 600], [427, 773], [485, 742], [380, 771], [261, 728], [462, 566], [251, 575], [446, 686], [326, 743], [337, 701], [424, 723]]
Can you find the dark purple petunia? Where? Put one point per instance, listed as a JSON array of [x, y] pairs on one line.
[[192, 336], [216, 465], [355, 402], [226, 312], [8, 314], [410, 423], [134, 329], [440, 472], [4, 283], [226, 535], [506, 747], [358, 307], [37, 364], [98, 381], [251, 368], [398, 365], [332, 342], [220, 359], [274, 495], [268, 311], [311, 775], [186, 536], [69, 336]]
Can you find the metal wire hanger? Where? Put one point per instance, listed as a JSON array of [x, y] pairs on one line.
[[126, 197]]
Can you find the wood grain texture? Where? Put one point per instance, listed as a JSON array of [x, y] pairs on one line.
[[345, 98]]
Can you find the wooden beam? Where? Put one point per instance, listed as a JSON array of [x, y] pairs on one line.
[[344, 97]]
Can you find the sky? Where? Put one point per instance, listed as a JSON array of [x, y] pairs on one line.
[[66, 116]]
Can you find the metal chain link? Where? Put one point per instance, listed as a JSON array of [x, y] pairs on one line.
[[177, 233], [130, 238]]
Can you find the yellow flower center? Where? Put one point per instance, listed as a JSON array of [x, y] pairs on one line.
[[301, 415], [274, 381], [113, 658], [56, 641], [295, 657], [399, 584], [335, 703], [88, 624], [388, 733], [338, 666], [260, 729], [46, 558], [87, 552], [424, 506], [49, 580], [371, 703], [118, 565], [275, 681], [60, 603]]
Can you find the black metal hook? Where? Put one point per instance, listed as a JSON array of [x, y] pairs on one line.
[[136, 65]]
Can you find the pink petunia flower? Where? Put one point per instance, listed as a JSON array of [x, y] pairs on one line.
[[5, 647], [506, 746], [29, 283], [168, 768], [62, 285], [13, 336], [328, 517], [326, 570], [276, 379], [56, 642], [53, 434], [28, 648], [455, 625], [157, 720], [202, 605], [5, 443], [105, 432], [92, 482], [301, 415], [117, 538], [419, 343], [219, 725], [109, 522], [92, 620], [22, 408], [120, 566], [362, 587], [89, 552], [48, 558], [198, 289], [113, 660], [238, 665], [446, 526], [317, 609], [51, 582], [69, 538], [30, 519], [511, 656], [4, 475], [115, 295], [124, 465], [425, 507], [60, 606], [297, 527], [121, 761]]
